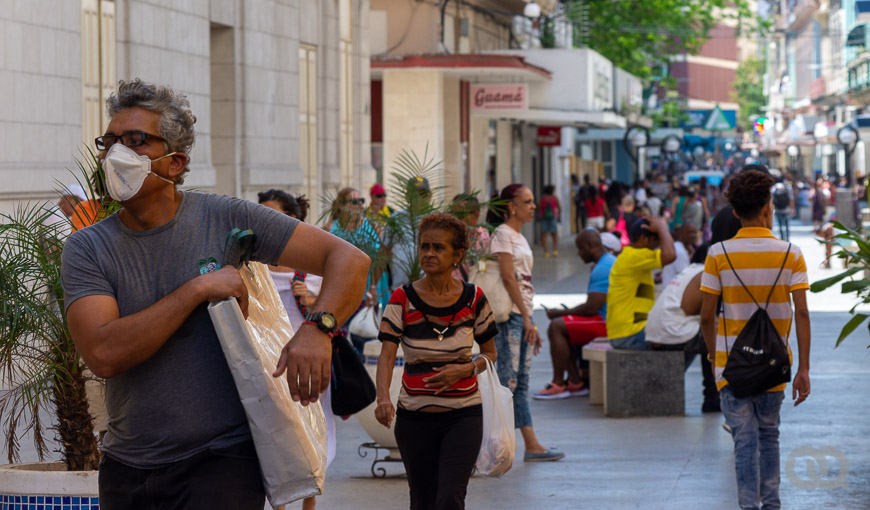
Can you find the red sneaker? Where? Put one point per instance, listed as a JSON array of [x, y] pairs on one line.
[[577, 390], [552, 392]]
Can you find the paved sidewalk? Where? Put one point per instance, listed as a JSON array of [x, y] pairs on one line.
[[654, 463]]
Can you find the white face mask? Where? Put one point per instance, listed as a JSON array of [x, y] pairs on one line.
[[126, 171]]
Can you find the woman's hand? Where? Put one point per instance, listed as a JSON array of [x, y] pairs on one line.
[[448, 375], [384, 412], [300, 290], [533, 337]]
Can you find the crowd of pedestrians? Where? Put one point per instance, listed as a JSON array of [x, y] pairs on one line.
[[668, 264]]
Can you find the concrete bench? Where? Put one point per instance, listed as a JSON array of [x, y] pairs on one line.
[[595, 353], [635, 383]]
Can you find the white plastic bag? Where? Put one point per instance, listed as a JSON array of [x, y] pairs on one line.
[[366, 323], [499, 437], [290, 438]]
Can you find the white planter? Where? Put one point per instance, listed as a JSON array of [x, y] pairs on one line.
[[380, 434], [44, 485]]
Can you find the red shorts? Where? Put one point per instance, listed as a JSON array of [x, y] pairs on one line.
[[582, 330]]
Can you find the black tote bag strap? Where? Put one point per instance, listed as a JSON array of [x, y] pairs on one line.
[[769, 294]]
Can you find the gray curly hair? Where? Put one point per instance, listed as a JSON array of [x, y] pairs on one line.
[[176, 119]]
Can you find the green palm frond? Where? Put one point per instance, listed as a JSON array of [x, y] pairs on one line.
[[40, 369]]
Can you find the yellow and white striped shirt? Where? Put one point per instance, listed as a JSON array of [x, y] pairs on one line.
[[757, 256]]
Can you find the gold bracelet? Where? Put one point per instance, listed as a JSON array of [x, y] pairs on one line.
[[709, 358]]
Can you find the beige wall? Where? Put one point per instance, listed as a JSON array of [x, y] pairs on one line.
[[420, 92], [415, 27], [238, 66]]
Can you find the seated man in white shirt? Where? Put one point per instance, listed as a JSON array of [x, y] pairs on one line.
[[674, 323]]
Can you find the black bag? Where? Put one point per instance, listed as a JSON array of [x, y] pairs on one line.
[[780, 198], [758, 359], [352, 388]]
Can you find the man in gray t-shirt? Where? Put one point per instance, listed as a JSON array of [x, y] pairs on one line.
[[137, 285]]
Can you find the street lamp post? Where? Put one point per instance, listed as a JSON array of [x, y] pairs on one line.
[[848, 138], [635, 138]]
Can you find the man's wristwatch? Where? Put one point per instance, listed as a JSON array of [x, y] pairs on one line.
[[324, 321]]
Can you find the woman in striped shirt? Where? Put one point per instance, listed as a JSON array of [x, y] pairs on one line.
[[439, 423]]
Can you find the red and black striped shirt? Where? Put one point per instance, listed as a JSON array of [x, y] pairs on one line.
[[404, 323]]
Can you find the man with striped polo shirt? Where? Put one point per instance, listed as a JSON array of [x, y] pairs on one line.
[[755, 256]]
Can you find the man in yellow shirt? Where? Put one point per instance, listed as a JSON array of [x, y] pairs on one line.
[[631, 294]]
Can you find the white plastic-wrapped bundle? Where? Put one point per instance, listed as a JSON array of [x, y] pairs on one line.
[[290, 438]]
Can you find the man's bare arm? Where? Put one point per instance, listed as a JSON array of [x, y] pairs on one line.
[[111, 345], [801, 383], [306, 358], [593, 304]]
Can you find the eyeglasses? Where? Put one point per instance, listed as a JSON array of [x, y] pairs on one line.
[[380, 195], [130, 139]]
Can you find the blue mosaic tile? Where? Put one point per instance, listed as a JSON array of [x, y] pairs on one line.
[[13, 502]]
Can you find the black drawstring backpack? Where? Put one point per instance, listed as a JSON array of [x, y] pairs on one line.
[[759, 358]]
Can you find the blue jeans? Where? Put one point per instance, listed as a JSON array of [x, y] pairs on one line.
[[782, 218], [636, 341], [754, 423], [513, 366]]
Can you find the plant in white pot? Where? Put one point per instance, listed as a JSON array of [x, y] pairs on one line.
[[41, 372]]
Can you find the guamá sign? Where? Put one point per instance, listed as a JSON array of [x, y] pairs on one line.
[[499, 97]]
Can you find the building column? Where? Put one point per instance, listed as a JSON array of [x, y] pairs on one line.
[[454, 173], [413, 118]]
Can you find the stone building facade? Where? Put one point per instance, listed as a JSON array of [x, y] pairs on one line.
[[280, 88]]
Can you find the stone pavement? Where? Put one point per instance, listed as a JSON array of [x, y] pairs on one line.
[[659, 463], [656, 463]]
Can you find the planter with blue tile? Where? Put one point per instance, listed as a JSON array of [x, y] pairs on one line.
[[47, 486]]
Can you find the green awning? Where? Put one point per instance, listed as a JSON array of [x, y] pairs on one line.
[[857, 36]]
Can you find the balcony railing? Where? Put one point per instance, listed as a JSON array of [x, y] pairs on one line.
[[859, 72]]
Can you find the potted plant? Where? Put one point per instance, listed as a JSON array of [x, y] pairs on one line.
[[855, 254], [40, 369]]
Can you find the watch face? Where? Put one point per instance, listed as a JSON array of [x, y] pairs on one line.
[[327, 320]]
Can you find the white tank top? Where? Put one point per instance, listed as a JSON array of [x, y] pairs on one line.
[[667, 323]]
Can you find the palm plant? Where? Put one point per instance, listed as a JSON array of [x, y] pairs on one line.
[[39, 363], [399, 230], [855, 261]]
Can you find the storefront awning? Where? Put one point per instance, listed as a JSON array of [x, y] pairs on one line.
[[560, 118], [475, 68]]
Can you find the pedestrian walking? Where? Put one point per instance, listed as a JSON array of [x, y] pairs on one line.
[[518, 338], [549, 214], [136, 285], [755, 272], [436, 320], [783, 203]]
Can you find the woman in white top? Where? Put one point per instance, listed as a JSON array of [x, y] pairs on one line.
[[518, 337], [299, 290]]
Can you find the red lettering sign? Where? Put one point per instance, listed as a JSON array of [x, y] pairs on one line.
[[499, 97]]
